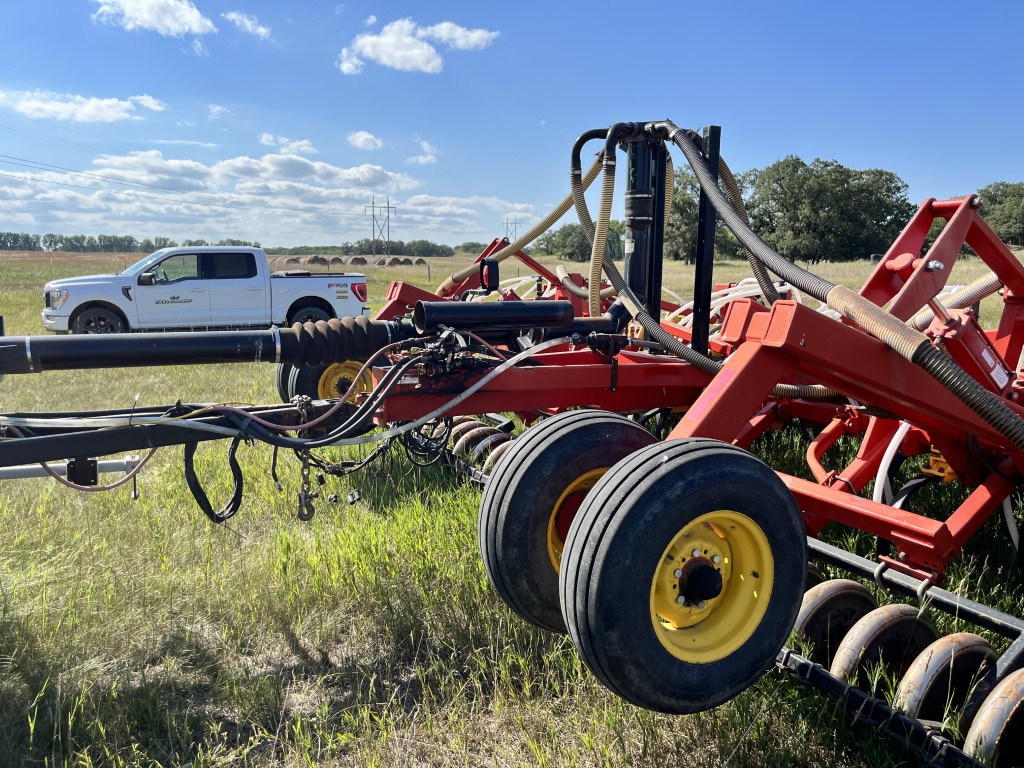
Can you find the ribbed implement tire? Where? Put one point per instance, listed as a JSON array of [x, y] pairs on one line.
[[666, 652], [534, 489]]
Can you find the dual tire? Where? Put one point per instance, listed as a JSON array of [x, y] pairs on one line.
[[680, 575]]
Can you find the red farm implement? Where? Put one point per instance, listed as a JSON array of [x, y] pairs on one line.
[[632, 514]]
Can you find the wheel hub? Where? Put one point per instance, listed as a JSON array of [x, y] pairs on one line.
[[700, 581]]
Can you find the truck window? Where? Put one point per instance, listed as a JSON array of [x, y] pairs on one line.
[[229, 266], [183, 266]]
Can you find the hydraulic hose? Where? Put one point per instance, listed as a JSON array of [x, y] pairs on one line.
[[908, 342], [543, 226]]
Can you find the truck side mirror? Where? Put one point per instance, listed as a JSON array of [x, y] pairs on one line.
[[147, 278]]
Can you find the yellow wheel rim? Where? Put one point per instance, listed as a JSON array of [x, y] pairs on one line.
[[706, 631], [336, 380], [565, 509]]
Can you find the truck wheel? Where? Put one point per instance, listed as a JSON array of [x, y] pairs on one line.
[[530, 500], [308, 314], [98, 320], [683, 573]]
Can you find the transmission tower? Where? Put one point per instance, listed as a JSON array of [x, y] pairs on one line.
[[380, 216], [512, 229]]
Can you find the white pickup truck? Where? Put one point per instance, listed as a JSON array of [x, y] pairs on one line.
[[209, 287]]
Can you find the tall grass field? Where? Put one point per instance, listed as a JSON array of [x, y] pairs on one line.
[[133, 632]]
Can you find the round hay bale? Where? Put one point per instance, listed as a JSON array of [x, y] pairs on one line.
[[420, 262], [293, 260], [319, 260], [356, 260], [395, 261], [406, 262]]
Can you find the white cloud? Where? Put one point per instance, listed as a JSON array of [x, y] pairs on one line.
[[198, 49], [349, 63], [457, 37], [216, 112], [364, 140], [147, 101], [171, 18], [403, 45], [370, 21], [429, 156], [286, 145], [77, 109], [248, 23]]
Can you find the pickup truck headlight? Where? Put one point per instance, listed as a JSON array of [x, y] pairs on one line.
[[57, 298]]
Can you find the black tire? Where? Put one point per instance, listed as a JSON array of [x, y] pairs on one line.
[[683, 574], [534, 489], [308, 314], [281, 376], [98, 320]]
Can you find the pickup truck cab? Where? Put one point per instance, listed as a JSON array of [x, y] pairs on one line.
[[208, 287]]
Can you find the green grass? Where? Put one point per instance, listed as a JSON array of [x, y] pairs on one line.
[[138, 633]]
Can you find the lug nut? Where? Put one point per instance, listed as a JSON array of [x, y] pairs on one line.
[[716, 559], [701, 604], [678, 573], [695, 553], [680, 599]]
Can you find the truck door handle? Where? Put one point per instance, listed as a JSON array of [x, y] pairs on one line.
[[254, 288], [198, 290]]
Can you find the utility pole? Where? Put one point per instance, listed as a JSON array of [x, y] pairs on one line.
[[380, 218]]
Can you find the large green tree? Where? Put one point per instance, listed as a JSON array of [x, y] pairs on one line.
[[824, 210], [570, 242], [681, 228], [1002, 205]]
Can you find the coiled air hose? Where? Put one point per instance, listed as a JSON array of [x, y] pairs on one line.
[[911, 344], [545, 224], [970, 294]]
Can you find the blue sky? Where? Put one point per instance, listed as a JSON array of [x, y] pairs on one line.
[[279, 122]]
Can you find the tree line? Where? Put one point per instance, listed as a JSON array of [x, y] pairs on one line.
[[21, 241], [806, 211]]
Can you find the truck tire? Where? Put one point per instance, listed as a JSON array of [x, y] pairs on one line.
[[308, 314], [98, 320]]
